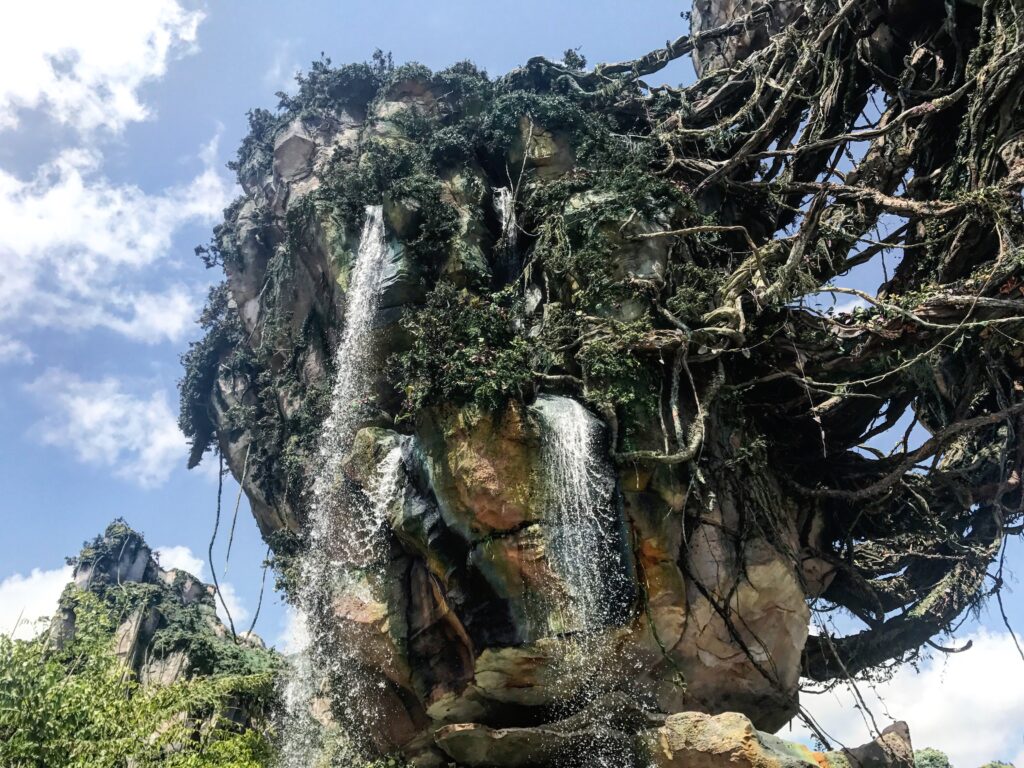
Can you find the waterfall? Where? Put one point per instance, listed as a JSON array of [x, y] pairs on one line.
[[505, 208], [577, 512], [344, 529]]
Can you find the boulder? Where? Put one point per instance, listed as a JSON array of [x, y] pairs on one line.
[[478, 746], [724, 52], [482, 468], [548, 153], [294, 148], [729, 740]]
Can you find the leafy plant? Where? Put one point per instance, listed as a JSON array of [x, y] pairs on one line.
[[77, 706], [465, 348]]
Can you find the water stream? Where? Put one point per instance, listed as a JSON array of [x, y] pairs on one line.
[[505, 208], [577, 511], [344, 527]]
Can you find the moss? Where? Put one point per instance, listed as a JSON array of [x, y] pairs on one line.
[[465, 348], [696, 291], [188, 627], [613, 373]]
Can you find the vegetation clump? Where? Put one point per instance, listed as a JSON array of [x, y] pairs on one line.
[[661, 254], [86, 694]]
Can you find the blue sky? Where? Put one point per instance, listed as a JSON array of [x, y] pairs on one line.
[[116, 121]]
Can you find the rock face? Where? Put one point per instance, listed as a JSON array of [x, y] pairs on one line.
[[697, 740], [468, 629], [168, 628]]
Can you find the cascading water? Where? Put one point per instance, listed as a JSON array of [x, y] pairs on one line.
[[345, 529], [577, 512], [585, 551], [505, 207]]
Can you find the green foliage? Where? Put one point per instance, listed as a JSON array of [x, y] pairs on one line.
[[501, 124], [255, 154], [612, 372], [696, 290], [105, 546], [78, 707], [322, 91], [223, 333], [580, 220], [326, 90], [931, 758], [403, 171], [286, 548], [465, 348], [573, 59], [182, 625]]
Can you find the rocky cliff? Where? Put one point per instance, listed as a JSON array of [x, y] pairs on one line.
[[466, 317], [166, 623], [556, 516]]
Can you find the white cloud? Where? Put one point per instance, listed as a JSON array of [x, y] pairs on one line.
[[26, 599], [239, 613], [14, 351], [294, 635], [968, 705], [84, 64], [851, 303], [77, 247], [280, 75], [179, 558], [184, 559], [79, 250], [104, 425]]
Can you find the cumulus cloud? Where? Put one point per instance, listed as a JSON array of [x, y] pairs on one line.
[[84, 66], [14, 351], [294, 634], [280, 75], [239, 613], [77, 247], [184, 559], [179, 558], [968, 705], [26, 599], [104, 425]]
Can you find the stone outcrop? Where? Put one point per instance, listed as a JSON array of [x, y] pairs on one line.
[[167, 624], [455, 629], [724, 52], [729, 740], [619, 733], [464, 630]]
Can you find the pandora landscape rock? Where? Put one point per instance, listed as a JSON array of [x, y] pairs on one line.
[[534, 432]]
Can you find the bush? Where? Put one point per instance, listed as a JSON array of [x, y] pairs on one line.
[[78, 707], [465, 348]]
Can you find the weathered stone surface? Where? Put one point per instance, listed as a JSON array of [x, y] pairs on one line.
[[294, 148], [482, 468], [548, 153], [463, 628], [769, 597], [370, 623], [729, 740], [478, 746], [167, 625]]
